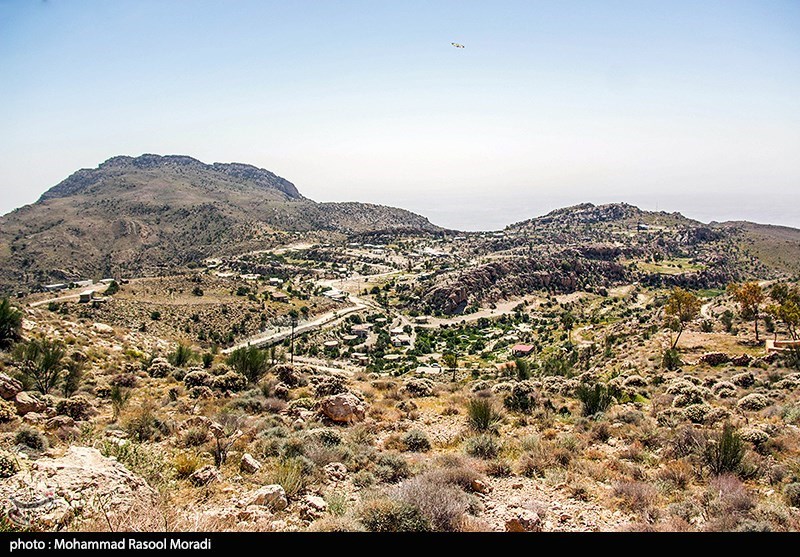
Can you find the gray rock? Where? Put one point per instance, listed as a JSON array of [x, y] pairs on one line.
[[204, 476], [249, 464], [272, 496], [9, 387]]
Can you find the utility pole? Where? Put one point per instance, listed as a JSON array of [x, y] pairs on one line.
[[293, 316]]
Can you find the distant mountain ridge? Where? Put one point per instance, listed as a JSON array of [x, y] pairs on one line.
[[156, 214], [152, 214], [87, 177]]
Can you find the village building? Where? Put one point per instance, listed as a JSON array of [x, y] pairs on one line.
[[361, 330], [275, 281], [278, 296], [401, 340], [520, 350], [54, 287], [86, 296]]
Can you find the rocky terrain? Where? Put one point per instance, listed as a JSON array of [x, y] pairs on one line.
[[265, 362], [154, 214]]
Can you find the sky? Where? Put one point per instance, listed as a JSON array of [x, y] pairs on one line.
[[678, 106]]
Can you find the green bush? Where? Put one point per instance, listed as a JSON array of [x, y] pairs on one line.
[[8, 465], [182, 356], [385, 515], [482, 416], [77, 408], [250, 362], [792, 494], [72, 379], [30, 437], [483, 446], [291, 475], [7, 411], [416, 441], [724, 453], [521, 398], [10, 323], [40, 361], [671, 359], [391, 467], [596, 398]]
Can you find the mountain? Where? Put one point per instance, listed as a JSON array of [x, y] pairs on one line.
[[155, 213]]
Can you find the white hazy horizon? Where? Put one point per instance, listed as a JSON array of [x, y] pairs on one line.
[[677, 106]]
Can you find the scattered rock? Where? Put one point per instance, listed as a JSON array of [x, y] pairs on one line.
[[204, 476], [59, 421], [312, 507], [524, 521], [272, 496], [53, 490], [27, 402], [335, 471], [103, 329], [9, 387], [480, 486], [249, 464], [343, 408]]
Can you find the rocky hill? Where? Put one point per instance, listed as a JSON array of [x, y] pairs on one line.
[[153, 213]]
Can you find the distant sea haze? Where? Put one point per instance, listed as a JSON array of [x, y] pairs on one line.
[[496, 212]]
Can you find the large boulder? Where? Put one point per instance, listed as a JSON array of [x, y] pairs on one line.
[[249, 464], [272, 496], [49, 492], [714, 358], [9, 387], [343, 408], [204, 476], [27, 402]]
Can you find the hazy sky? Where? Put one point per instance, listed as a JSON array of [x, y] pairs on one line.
[[690, 106]]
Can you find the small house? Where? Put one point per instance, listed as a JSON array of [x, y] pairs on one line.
[[421, 319], [54, 287], [274, 281], [520, 350], [361, 330], [401, 340], [86, 296], [278, 296]]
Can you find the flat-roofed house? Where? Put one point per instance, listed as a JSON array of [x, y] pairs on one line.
[[519, 350], [86, 296]]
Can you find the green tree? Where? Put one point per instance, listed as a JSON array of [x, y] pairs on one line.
[[41, 361], [786, 308], [10, 323], [250, 362], [568, 322], [749, 296], [681, 308], [450, 361]]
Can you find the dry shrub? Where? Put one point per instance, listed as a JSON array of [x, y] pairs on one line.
[[387, 515], [676, 474], [442, 504], [727, 495], [498, 468], [636, 496], [185, 464], [336, 524]]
